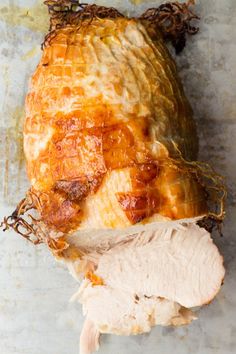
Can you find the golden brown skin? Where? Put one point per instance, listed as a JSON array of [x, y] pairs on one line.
[[106, 116]]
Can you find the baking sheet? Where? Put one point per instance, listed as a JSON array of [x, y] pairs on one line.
[[35, 315]]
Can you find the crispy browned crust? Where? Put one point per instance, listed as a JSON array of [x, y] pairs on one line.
[[210, 197], [169, 186]]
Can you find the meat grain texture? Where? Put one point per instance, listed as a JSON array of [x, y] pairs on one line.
[[109, 137]]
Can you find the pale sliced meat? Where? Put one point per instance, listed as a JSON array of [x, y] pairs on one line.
[[115, 311], [89, 338], [92, 243], [151, 279], [183, 266]]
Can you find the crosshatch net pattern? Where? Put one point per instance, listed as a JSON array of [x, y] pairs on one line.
[[104, 113]]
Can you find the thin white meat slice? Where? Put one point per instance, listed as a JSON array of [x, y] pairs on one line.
[[182, 265], [94, 243], [118, 312], [89, 338], [151, 279]]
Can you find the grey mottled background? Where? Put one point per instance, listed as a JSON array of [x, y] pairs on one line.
[[35, 316]]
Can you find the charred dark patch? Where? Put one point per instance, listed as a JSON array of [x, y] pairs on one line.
[[139, 205], [75, 190]]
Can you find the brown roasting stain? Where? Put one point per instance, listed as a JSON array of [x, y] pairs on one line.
[[31, 53], [34, 18], [17, 118], [6, 167], [14, 133], [137, 2]]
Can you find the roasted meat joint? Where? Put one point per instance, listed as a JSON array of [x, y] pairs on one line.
[[117, 192]]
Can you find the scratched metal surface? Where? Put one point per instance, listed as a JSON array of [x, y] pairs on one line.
[[35, 315]]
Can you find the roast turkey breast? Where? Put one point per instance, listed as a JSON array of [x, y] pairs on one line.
[[111, 152]]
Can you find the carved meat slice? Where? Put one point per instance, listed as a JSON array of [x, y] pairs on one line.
[[152, 279]]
